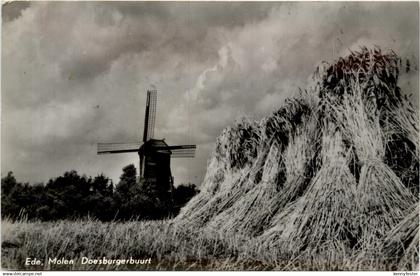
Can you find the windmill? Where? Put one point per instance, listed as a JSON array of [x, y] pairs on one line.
[[155, 155]]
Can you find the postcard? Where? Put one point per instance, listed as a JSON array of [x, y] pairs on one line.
[[210, 136]]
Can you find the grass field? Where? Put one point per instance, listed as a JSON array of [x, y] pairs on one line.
[[93, 239], [167, 248]]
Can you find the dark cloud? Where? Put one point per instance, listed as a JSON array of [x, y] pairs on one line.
[[75, 73], [201, 14], [12, 10], [140, 27]]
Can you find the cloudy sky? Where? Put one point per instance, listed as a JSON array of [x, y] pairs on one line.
[[76, 73]]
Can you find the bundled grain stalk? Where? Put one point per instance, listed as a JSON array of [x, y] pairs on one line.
[[252, 212], [237, 158], [324, 215], [244, 217], [377, 74], [359, 91], [298, 167], [240, 155], [382, 197]]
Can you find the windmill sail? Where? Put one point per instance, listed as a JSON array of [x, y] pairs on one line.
[[180, 151], [104, 148], [150, 115], [183, 153]]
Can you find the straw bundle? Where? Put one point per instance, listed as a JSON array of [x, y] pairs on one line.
[[251, 214], [213, 180], [245, 217], [237, 163], [234, 186], [298, 161], [282, 123], [360, 90], [325, 213], [237, 145], [374, 75], [382, 197], [228, 168], [377, 72]]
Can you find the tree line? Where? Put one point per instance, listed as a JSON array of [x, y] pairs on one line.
[[72, 196]]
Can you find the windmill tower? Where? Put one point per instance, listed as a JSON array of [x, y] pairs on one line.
[[155, 155]]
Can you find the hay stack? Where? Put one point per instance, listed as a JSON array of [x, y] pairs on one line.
[[376, 71], [235, 164], [298, 165], [252, 213], [300, 160], [283, 123], [235, 148], [324, 215], [211, 205], [381, 195], [360, 101], [320, 174], [246, 217], [237, 145], [216, 176]]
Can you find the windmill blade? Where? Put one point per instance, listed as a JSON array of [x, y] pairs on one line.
[[105, 148], [182, 156], [189, 154], [177, 147], [150, 115], [178, 151], [183, 151]]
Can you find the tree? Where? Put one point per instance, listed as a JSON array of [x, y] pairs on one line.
[[182, 194], [127, 179], [72, 196], [8, 183], [124, 192], [129, 174], [100, 203], [9, 190], [67, 195]]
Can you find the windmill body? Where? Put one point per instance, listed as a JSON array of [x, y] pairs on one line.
[[154, 154], [155, 165]]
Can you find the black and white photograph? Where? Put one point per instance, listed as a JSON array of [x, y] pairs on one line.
[[210, 136]]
